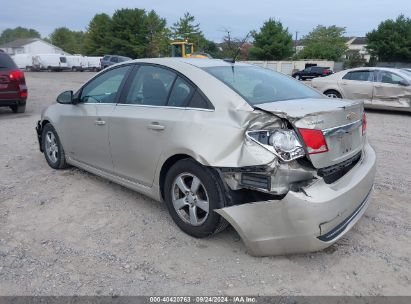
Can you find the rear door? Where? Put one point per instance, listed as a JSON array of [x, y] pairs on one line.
[[84, 126], [144, 120], [389, 90], [358, 84]]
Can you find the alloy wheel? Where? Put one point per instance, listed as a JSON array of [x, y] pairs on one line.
[[51, 147], [332, 95], [190, 199]]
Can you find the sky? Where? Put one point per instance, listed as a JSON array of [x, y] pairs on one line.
[[214, 16]]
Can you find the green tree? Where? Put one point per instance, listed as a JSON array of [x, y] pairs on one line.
[[67, 40], [158, 35], [391, 41], [9, 34], [353, 60], [186, 28], [97, 36], [129, 33], [324, 43], [272, 42]]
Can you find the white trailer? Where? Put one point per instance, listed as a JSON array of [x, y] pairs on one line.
[[50, 62], [93, 63], [24, 61], [76, 63]]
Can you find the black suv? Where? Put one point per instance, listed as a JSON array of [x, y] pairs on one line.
[[13, 89], [109, 60], [312, 72]]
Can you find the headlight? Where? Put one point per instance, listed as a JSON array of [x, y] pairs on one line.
[[283, 143]]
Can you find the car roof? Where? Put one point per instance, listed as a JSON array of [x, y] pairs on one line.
[[373, 69], [197, 62]]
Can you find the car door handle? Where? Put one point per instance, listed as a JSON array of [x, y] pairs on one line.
[[99, 122], [156, 126], [343, 83], [378, 86]]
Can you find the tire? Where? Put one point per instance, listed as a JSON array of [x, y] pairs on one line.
[[54, 154], [74, 69], [298, 77], [49, 69], [332, 94], [210, 189], [18, 109]]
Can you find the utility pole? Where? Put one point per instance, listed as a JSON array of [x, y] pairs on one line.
[[295, 42]]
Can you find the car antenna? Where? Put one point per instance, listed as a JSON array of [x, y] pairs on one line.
[[232, 60]]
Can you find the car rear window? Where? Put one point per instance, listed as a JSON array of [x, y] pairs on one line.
[[258, 85], [6, 63]]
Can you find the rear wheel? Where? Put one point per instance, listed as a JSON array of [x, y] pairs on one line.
[[192, 193], [332, 94], [52, 148], [18, 108]]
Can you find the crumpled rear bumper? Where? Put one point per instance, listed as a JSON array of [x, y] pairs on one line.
[[306, 221]]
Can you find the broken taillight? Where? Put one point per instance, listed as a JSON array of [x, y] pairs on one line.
[[364, 123], [314, 140]]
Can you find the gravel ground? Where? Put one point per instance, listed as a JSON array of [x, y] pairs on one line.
[[72, 233]]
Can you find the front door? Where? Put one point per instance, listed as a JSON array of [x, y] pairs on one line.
[[389, 90], [85, 126]]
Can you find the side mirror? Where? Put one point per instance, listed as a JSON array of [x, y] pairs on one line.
[[65, 98]]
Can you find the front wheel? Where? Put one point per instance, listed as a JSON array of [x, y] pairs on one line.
[[52, 148], [192, 192], [298, 77]]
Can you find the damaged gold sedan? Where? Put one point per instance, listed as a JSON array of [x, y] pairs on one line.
[[379, 88], [221, 143]]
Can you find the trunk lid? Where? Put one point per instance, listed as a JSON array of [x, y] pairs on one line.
[[339, 120]]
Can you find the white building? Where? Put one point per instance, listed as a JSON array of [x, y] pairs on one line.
[[358, 44], [31, 46]]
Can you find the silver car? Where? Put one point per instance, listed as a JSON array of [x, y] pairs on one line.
[[221, 143], [379, 88]]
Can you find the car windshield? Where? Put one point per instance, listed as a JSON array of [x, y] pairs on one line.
[[258, 85], [407, 72]]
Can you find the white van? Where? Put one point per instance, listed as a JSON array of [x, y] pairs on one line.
[[50, 62], [24, 61], [76, 63], [93, 63]]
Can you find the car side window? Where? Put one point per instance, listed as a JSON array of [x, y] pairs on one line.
[[104, 88], [151, 86], [308, 70], [388, 77], [359, 76], [114, 59], [199, 101], [180, 94]]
